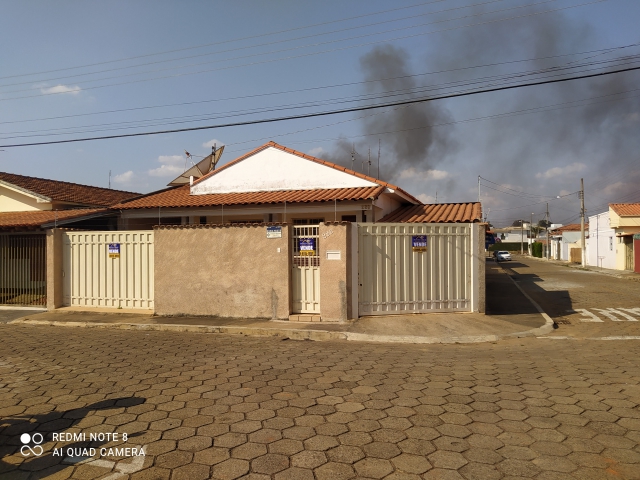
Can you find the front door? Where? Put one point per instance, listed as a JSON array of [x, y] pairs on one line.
[[306, 269]]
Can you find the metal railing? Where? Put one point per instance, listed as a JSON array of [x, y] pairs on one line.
[[23, 269]]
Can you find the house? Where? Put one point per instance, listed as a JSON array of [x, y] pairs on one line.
[[601, 244], [35, 204], [624, 219], [566, 238], [277, 234], [269, 184], [514, 234], [29, 206]]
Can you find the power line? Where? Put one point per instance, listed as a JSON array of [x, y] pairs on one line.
[[322, 87], [261, 62], [261, 44], [339, 100], [224, 41], [325, 113]]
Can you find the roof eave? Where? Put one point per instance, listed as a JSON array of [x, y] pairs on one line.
[[39, 198]]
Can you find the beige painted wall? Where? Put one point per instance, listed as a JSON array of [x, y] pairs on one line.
[[54, 268], [12, 201], [231, 271], [335, 275]]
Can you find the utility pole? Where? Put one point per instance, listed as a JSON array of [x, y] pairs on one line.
[[378, 159], [478, 188], [548, 244], [521, 237], [531, 235], [353, 155], [582, 212]]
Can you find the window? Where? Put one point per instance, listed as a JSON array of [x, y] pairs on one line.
[[240, 222], [349, 218], [308, 221]]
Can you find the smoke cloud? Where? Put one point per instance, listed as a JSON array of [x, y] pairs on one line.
[[537, 152]]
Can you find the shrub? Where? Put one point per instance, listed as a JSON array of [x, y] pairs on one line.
[[536, 249]]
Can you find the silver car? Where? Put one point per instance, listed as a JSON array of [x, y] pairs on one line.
[[502, 256]]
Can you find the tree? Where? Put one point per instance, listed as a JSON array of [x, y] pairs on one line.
[[544, 223]]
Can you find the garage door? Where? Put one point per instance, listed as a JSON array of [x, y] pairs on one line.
[[108, 269], [412, 268]]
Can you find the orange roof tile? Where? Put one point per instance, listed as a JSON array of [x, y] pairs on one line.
[[436, 213], [177, 197], [572, 227], [626, 209], [35, 219], [313, 159], [66, 191]]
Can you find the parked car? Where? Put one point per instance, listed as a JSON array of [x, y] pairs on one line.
[[503, 256]]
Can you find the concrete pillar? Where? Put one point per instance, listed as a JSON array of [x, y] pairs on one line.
[[336, 272], [54, 268]]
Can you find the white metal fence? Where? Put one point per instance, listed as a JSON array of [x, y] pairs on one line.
[[108, 269], [395, 276]]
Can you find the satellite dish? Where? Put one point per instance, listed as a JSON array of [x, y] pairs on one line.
[[204, 166]]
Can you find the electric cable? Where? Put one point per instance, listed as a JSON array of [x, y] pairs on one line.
[[325, 113]]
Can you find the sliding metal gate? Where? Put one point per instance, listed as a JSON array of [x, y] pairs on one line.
[[108, 269], [397, 275], [23, 269]]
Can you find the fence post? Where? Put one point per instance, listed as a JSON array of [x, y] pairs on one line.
[[54, 269]]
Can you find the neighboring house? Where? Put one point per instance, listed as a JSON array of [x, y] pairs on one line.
[[514, 234], [566, 238], [29, 206], [269, 184], [624, 219], [34, 204], [601, 245]]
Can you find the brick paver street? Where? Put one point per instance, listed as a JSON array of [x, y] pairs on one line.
[[226, 407]]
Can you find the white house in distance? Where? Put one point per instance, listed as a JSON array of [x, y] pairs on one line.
[[601, 245], [269, 184]]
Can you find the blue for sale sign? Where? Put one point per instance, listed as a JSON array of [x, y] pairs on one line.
[[419, 243], [307, 247]]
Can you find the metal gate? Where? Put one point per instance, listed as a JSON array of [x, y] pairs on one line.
[[23, 269], [401, 272], [306, 269], [108, 269]]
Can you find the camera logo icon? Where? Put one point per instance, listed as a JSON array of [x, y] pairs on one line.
[[26, 449]]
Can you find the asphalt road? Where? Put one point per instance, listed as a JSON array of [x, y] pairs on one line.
[[582, 302], [221, 406]]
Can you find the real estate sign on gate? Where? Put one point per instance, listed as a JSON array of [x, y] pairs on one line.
[[419, 243], [114, 250], [307, 247]]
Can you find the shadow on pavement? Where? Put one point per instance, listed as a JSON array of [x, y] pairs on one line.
[[13, 427], [553, 299]]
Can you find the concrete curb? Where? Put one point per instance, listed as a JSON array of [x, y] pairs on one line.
[[294, 334]]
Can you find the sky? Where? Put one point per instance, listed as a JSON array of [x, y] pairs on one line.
[[72, 70]]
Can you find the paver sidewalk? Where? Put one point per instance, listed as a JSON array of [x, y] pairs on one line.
[[510, 313]]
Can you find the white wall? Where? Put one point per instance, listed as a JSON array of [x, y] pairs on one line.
[[601, 248], [274, 170]]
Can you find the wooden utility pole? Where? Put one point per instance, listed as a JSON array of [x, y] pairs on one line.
[[582, 212], [548, 243]]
